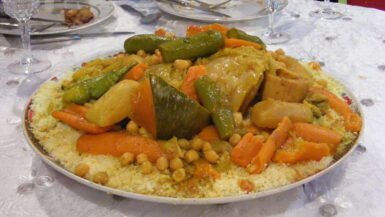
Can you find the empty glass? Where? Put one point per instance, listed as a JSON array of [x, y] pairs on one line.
[[271, 36], [326, 12], [22, 11]]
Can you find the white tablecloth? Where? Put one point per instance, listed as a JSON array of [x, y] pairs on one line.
[[352, 49]]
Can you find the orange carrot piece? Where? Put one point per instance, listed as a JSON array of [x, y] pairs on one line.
[[245, 150], [353, 122], [136, 72], [160, 32], [76, 109], [193, 73], [251, 129], [138, 145], [275, 140], [205, 170], [143, 108], [340, 106], [209, 134], [314, 133], [308, 151], [246, 185], [194, 29], [233, 43]]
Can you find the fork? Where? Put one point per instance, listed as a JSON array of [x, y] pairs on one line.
[[211, 6]]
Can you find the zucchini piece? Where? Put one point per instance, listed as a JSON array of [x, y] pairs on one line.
[[94, 87], [175, 113], [239, 34], [199, 45], [211, 98], [146, 42]]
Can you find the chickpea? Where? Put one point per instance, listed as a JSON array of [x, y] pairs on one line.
[[100, 178], [182, 64], [206, 146], [140, 158], [246, 122], [143, 131], [146, 167], [235, 138], [126, 158], [280, 52], [81, 169], [211, 156], [155, 59], [132, 127], [238, 118], [191, 156], [196, 143], [179, 174], [184, 143], [176, 163], [162, 163], [141, 53]]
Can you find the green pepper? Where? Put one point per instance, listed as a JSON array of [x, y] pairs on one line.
[[94, 87], [199, 45], [239, 34], [211, 98], [146, 42]]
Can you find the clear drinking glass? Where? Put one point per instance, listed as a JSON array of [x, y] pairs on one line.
[[22, 11], [271, 36], [326, 12]]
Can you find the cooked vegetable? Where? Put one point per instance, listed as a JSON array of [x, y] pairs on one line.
[[294, 66], [194, 29], [233, 43], [275, 140], [78, 122], [117, 144], [136, 72], [94, 87], [268, 113], [239, 34], [146, 42], [203, 169], [193, 73], [199, 45], [245, 150], [176, 114], [307, 151], [284, 89], [209, 134], [115, 105], [353, 122], [314, 133], [211, 98], [172, 147], [76, 109]]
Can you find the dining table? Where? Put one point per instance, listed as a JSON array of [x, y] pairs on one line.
[[352, 49]]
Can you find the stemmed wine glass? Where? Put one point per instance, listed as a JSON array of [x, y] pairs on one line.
[[271, 36], [22, 11], [326, 12]]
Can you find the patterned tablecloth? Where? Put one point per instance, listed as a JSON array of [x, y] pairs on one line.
[[352, 49]]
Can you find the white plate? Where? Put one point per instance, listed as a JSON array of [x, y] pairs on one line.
[[239, 10], [38, 148], [52, 9]]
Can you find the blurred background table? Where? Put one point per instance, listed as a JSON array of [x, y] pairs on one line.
[[351, 49]]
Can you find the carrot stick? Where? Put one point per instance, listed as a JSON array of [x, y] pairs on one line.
[[193, 73], [136, 72], [314, 133], [274, 141], [205, 170], [251, 129], [335, 102], [116, 144], [233, 43], [307, 151], [209, 134], [76, 110], [353, 122], [194, 29], [79, 122], [160, 32], [245, 150]]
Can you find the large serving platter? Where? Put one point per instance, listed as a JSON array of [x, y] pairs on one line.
[[38, 148]]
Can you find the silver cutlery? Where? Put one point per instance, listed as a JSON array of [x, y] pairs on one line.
[[144, 18], [212, 6], [186, 4], [72, 37]]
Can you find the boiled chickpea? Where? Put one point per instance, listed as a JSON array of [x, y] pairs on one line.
[[196, 143], [235, 138], [132, 127], [146, 167], [211, 156], [155, 59], [100, 178], [162, 163], [81, 169], [280, 52], [141, 53], [191, 156], [238, 118], [184, 143], [206, 146], [176, 163], [140, 158], [182, 64], [126, 158], [179, 174]]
